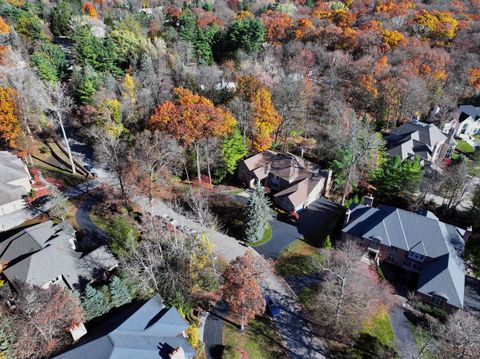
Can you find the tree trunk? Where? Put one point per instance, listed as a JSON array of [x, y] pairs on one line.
[[67, 146], [208, 167], [198, 164]]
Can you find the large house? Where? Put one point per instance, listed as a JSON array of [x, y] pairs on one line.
[[420, 139], [14, 183], [419, 245], [47, 254], [295, 181], [466, 123], [153, 331]]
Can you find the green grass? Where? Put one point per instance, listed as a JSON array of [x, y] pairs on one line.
[[98, 220], [267, 234], [464, 147], [298, 259], [307, 297], [379, 327], [68, 179], [421, 337], [259, 340]]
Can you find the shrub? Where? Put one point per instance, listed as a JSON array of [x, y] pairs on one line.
[[464, 147]]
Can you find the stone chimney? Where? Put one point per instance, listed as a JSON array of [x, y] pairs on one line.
[[467, 233], [178, 353], [347, 216], [368, 200]]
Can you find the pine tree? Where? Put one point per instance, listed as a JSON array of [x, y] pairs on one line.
[[119, 292], [94, 303], [59, 205], [257, 215]]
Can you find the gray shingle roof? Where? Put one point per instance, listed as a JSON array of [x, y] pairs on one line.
[[45, 252], [153, 331], [421, 233], [470, 111], [414, 138], [12, 169]]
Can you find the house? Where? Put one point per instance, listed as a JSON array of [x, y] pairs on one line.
[[466, 122], [418, 245], [48, 253], [420, 139], [295, 181], [152, 331], [14, 183]]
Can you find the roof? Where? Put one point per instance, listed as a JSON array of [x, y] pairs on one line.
[[12, 169], [299, 192], [467, 111], [287, 166], [47, 252], [153, 331], [414, 138], [421, 233]]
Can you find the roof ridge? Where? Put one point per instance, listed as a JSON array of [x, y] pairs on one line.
[[403, 230]]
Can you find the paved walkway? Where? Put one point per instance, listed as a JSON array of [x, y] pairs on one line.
[[297, 333], [402, 331]]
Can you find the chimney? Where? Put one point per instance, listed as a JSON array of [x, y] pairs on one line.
[[368, 200], [467, 233], [347, 216], [178, 353]]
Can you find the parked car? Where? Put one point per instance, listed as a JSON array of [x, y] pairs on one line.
[[272, 308]]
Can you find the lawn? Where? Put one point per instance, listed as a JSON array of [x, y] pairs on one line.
[[98, 219], [258, 341], [421, 337], [379, 327], [267, 234], [307, 297], [67, 178], [298, 259]]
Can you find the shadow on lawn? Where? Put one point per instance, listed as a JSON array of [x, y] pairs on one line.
[[365, 346]]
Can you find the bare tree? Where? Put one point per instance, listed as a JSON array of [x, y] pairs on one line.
[[60, 105], [41, 319], [111, 152], [200, 211], [460, 338], [156, 156], [454, 184], [169, 263], [347, 294], [243, 112]]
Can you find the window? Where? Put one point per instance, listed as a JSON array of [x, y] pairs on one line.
[[374, 243], [416, 256], [438, 300], [392, 253]]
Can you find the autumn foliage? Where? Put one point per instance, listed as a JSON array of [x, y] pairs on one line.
[[4, 28], [9, 123], [277, 25], [191, 117], [89, 9], [241, 289]]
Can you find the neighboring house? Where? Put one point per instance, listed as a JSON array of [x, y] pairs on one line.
[[152, 331], [295, 181], [46, 254], [14, 183], [420, 139], [419, 245], [466, 123]]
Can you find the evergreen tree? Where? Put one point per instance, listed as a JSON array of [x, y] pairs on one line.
[[122, 236], [233, 149], [246, 34], [395, 177], [257, 215], [60, 19], [119, 292], [327, 243], [58, 203], [94, 303]]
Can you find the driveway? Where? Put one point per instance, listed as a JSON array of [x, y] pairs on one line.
[[283, 234], [212, 332], [402, 331], [315, 223]]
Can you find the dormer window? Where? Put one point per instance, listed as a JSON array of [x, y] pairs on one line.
[[437, 300], [416, 256]]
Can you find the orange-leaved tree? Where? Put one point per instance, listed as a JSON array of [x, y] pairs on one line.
[[277, 25], [241, 289], [89, 9], [265, 117], [191, 118], [9, 123], [4, 28]]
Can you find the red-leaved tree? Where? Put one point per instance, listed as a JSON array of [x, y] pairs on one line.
[[241, 289]]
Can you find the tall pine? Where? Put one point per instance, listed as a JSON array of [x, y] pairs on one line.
[[257, 215], [94, 303], [119, 292]]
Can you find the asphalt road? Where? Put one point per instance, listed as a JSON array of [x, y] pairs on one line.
[[402, 331]]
